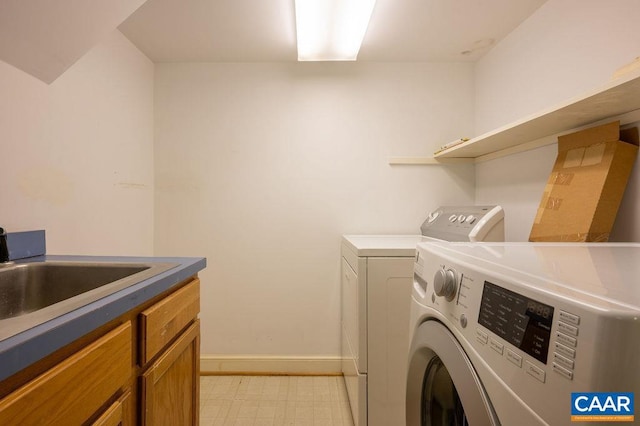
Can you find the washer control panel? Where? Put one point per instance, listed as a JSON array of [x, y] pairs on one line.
[[540, 337], [522, 321], [521, 329]]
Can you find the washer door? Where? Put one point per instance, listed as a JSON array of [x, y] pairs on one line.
[[442, 385]]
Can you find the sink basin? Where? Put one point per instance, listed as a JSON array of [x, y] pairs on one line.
[[32, 293]]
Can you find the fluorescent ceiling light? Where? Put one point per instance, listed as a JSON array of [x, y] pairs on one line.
[[331, 30]]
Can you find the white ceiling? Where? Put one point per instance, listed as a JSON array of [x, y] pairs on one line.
[[264, 31]]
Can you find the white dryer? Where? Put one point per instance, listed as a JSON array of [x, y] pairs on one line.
[[503, 334], [377, 277]]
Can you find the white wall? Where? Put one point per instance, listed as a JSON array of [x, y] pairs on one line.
[[262, 167], [566, 48], [77, 155]]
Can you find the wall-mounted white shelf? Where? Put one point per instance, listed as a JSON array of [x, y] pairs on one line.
[[420, 161], [627, 118], [613, 99]]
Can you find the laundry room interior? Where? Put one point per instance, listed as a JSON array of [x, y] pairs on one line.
[[151, 144]]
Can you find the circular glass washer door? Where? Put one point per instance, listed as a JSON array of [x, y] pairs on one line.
[[442, 385]]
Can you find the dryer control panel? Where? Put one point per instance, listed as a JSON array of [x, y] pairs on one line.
[[465, 223]]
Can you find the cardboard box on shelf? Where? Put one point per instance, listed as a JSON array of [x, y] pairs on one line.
[[586, 185]]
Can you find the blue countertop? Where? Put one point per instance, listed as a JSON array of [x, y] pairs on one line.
[[21, 350]]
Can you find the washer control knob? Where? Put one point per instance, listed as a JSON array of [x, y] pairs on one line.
[[444, 283]]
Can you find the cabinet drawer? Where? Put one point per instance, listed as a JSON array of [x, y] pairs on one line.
[[116, 414], [75, 389], [162, 322]]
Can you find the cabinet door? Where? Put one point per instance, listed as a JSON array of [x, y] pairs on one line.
[[73, 391], [170, 387]]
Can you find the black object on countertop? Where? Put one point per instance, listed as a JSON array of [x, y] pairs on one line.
[[4, 249]]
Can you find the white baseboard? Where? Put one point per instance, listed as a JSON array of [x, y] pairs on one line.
[[248, 364]]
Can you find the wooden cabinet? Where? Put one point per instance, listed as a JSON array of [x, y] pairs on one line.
[[170, 384], [142, 368], [75, 390]]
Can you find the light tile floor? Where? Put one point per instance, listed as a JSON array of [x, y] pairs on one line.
[[274, 400]]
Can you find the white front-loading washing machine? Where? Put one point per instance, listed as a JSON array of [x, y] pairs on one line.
[[377, 276], [504, 334]]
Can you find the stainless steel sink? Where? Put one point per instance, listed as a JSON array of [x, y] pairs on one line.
[[32, 293]]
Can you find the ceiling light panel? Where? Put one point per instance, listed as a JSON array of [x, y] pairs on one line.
[[331, 30]]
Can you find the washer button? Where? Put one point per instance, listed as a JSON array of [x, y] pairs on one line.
[[461, 218], [482, 337], [569, 329], [566, 351], [471, 219], [570, 318], [496, 346], [453, 218], [463, 321], [566, 340], [534, 371], [565, 362], [563, 371], [514, 358]]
